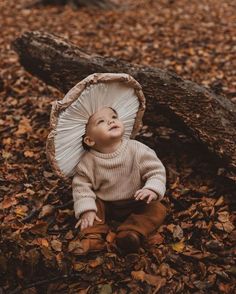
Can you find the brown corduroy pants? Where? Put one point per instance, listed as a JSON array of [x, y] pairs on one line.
[[135, 215]]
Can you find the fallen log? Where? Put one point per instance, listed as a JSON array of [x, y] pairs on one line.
[[209, 118], [102, 4]]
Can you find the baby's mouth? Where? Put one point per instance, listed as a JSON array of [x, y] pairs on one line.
[[114, 127]]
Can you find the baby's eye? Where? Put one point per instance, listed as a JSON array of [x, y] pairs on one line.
[[100, 121], [114, 116]]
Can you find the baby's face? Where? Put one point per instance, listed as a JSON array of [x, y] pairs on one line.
[[104, 127]]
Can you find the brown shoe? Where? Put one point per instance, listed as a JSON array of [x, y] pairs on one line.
[[90, 243], [128, 241]]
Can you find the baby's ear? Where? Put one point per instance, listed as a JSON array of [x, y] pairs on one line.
[[88, 141]]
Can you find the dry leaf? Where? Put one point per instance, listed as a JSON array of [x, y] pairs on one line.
[[150, 279], [24, 126], [21, 211], [223, 216], [56, 245], [29, 154], [79, 266], [178, 233], [46, 210], [179, 246], [96, 262], [110, 237], [8, 202], [39, 228]]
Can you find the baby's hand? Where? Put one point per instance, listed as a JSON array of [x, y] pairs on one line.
[[145, 193], [87, 219]]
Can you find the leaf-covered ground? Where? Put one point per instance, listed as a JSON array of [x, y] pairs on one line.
[[194, 250]]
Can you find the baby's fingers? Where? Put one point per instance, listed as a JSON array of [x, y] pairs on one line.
[[84, 224], [138, 194], [78, 224], [150, 198], [90, 222], [97, 218]]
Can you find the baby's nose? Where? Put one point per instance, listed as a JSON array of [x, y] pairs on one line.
[[111, 121]]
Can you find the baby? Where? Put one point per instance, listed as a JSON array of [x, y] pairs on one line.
[[120, 179]]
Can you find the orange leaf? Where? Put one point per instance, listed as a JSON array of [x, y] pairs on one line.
[[24, 126], [21, 210], [29, 153], [153, 280], [110, 237], [179, 246], [96, 262], [56, 245], [8, 202], [40, 228]]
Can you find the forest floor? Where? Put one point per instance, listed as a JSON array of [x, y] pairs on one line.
[[194, 250]]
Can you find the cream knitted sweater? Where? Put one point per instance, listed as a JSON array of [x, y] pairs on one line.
[[116, 176]]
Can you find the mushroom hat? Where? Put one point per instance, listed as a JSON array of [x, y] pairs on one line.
[[70, 115]]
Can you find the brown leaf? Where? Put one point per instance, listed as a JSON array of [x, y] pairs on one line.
[[178, 232], [153, 280], [39, 228], [79, 266], [28, 153], [223, 216], [56, 245], [166, 271], [220, 201], [226, 226], [46, 210], [225, 288], [110, 237], [21, 211], [96, 262], [69, 235], [24, 126], [179, 246], [41, 242], [8, 202]]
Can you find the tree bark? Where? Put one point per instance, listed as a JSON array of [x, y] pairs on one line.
[[209, 118]]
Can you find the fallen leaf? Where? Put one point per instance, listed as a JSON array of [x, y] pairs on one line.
[[179, 246], [29, 154], [6, 155], [24, 126], [96, 262], [39, 228], [223, 216], [178, 232], [69, 235], [56, 245], [46, 210], [8, 202], [153, 280], [220, 201], [21, 211], [105, 289], [110, 237], [79, 266]]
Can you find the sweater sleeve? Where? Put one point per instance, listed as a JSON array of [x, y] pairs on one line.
[[152, 171], [83, 195]]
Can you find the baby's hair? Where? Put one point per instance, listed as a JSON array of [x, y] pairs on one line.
[[85, 146]]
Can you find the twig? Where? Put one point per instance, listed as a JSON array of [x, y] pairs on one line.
[[42, 282]]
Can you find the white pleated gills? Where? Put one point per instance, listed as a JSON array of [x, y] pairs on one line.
[[72, 121]]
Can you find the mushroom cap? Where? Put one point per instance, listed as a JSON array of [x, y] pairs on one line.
[[70, 115]]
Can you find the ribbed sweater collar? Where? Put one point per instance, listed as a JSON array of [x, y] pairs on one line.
[[119, 150]]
